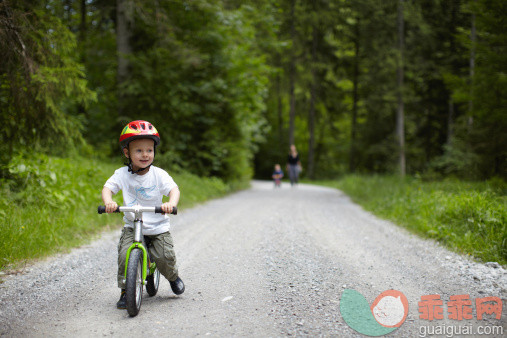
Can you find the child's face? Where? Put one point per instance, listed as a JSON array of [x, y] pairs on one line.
[[141, 152], [277, 167]]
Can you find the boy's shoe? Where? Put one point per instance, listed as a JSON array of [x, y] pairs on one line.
[[122, 304], [177, 286]]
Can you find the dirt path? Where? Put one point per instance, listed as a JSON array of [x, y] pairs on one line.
[[262, 262]]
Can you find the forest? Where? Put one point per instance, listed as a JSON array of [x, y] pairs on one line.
[[409, 87]]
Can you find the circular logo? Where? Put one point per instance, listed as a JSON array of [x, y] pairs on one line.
[[390, 308], [386, 313]]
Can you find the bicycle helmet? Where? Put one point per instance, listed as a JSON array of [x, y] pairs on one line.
[[138, 129]]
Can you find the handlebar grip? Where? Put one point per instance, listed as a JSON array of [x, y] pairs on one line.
[[102, 209], [158, 210]]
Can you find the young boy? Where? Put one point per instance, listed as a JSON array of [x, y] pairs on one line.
[[144, 184], [277, 176]]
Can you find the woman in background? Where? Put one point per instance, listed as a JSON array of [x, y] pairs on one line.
[[293, 165]]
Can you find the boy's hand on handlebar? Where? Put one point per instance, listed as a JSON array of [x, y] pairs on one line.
[[111, 207], [167, 207]]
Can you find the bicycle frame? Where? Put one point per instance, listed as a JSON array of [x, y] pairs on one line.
[[138, 239], [133, 281]]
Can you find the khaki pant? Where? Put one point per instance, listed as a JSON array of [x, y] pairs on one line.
[[161, 251]]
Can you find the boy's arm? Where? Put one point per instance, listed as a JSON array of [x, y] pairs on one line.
[[174, 198], [107, 198]]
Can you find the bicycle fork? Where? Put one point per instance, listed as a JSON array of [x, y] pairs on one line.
[[138, 243]]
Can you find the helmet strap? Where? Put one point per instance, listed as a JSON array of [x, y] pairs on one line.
[[131, 170]]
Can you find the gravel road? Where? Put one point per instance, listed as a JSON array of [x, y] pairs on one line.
[[261, 262]]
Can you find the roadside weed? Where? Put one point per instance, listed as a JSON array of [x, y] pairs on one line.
[[468, 217]]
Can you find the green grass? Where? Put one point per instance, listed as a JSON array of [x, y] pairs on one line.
[[467, 217], [49, 205]]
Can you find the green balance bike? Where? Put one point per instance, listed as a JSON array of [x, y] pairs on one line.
[[139, 269]]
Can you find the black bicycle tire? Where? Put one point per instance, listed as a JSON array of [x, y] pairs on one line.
[[152, 283], [134, 282]]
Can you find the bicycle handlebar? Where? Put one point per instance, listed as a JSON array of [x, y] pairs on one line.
[[158, 210]]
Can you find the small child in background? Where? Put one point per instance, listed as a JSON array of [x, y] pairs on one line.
[[277, 176]]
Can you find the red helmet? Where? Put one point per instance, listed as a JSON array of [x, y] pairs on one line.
[[138, 129]]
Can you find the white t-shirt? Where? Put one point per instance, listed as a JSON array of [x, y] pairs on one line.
[[145, 190]]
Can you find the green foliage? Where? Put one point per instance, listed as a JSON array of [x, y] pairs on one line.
[[197, 189], [357, 56], [480, 129], [201, 81], [214, 77], [42, 82], [49, 204], [470, 218], [458, 160]]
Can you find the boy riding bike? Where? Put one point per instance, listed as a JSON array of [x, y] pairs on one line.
[[144, 184]]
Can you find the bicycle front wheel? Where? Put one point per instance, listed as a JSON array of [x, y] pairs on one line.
[[134, 287]]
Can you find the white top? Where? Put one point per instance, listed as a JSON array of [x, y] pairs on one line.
[[145, 190]]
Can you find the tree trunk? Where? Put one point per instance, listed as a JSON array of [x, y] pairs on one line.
[[473, 38], [82, 24], [400, 115], [311, 114], [123, 33], [292, 76], [281, 140], [279, 101], [450, 121], [82, 39], [454, 68], [353, 134]]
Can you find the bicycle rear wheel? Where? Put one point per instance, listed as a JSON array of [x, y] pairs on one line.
[[134, 287], [152, 282]]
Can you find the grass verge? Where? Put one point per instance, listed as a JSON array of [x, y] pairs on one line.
[[49, 205], [467, 217]]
